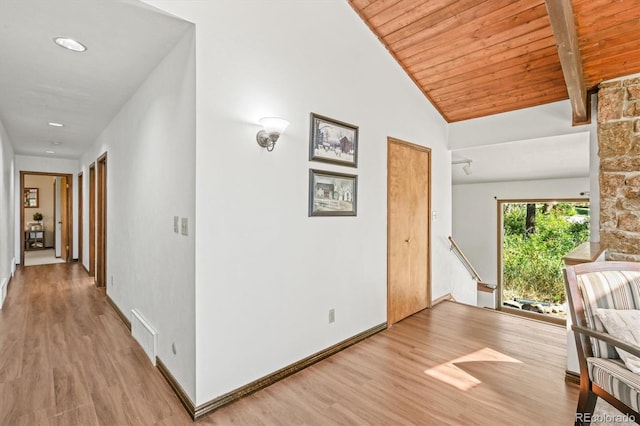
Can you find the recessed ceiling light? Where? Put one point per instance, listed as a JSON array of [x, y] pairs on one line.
[[56, 143], [54, 124], [69, 43], [50, 152]]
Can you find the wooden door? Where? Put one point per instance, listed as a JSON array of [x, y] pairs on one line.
[[92, 220], [408, 229], [101, 235], [64, 218], [80, 215]]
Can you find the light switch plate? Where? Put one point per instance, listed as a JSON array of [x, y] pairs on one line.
[[184, 225], [176, 224]]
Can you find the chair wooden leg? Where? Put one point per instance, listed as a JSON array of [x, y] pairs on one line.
[[586, 406]]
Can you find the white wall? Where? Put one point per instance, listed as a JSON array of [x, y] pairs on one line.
[[266, 274], [47, 165], [475, 220], [7, 213], [150, 147]]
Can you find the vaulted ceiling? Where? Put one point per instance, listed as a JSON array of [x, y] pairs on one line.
[[474, 58]]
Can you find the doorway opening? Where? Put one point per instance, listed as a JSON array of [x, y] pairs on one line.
[[534, 236], [46, 218]]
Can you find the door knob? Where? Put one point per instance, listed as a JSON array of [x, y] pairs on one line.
[[408, 240]]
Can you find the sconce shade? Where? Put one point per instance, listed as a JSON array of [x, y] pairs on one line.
[[274, 125], [273, 128]]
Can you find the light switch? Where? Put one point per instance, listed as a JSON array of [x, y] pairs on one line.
[[176, 224], [184, 226]]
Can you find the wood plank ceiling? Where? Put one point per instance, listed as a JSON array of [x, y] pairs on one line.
[[474, 58]]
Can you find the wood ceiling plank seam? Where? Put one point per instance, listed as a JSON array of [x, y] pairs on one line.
[[475, 110], [467, 73], [527, 82], [440, 22], [377, 6], [593, 11], [499, 71], [479, 59], [455, 51], [609, 40], [420, 11], [470, 40], [431, 17], [402, 8], [487, 92], [360, 4]]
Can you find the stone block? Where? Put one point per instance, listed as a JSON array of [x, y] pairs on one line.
[[614, 139], [620, 241], [631, 81], [610, 104], [620, 164], [630, 205], [610, 183], [608, 217], [632, 180], [610, 84], [632, 109], [636, 126], [613, 256], [634, 93], [629, 222]]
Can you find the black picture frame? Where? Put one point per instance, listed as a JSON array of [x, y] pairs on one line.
[[332, 193], [333, 141]]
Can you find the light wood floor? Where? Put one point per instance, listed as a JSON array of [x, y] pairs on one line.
[[67, 359]]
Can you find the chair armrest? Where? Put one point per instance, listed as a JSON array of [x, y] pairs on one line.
[[632, 349]]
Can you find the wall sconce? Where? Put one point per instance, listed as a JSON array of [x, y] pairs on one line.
[[467, 165], [273, 128]]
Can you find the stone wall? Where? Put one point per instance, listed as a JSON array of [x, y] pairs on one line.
[[619, 150]]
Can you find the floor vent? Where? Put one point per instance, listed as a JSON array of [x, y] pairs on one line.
[[144, 334]]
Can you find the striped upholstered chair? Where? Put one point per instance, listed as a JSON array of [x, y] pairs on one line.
[[590, 287]]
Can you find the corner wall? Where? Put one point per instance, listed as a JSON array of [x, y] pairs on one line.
[[150, 146], [266, 273], [7, 215]]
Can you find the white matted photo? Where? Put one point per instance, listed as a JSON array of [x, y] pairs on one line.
[[332, 194], [333, 141]]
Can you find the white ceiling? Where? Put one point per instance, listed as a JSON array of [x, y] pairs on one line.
[[41, 82], [557, 157]]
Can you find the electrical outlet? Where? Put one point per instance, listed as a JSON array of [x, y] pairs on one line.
[[184, 226], [176, 224], [332, 315], [111, 280]]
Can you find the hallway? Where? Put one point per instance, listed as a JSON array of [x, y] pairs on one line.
[[67, 359]]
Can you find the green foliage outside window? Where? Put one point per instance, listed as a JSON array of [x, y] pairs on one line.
[[532, 261]]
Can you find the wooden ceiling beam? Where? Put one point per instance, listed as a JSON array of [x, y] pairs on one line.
[[564, 30]]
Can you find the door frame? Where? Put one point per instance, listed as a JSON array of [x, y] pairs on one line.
[[500, 241], [92, 220], [427, 150], [68, 228], [101, 216], [80, 215]]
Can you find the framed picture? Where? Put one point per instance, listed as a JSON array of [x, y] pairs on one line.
[[333, 141], [31, 197], [332, 194]]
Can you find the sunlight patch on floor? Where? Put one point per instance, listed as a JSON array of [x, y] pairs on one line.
[[453, 375]]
